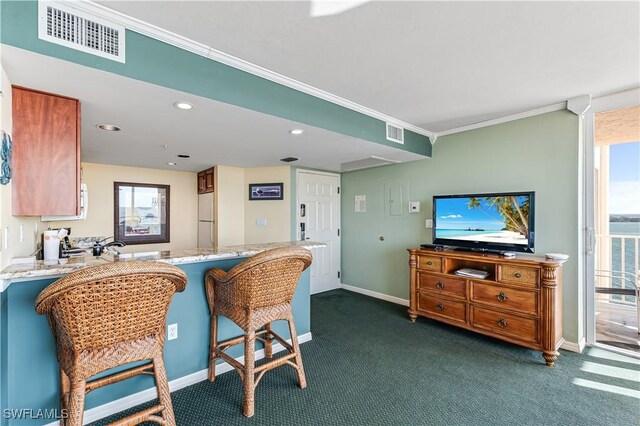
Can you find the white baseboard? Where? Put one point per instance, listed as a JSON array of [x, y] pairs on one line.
[[141, 397], [574, 347], [377, 295]]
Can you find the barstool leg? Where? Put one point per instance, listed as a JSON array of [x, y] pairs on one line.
[[296, 348], [76, 403], [162, 385], [212, 346], [64, 394], [268, 346], [249, 376]]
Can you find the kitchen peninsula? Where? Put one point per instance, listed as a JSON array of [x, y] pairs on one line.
[[28, 365]]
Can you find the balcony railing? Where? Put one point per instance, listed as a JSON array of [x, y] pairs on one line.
[[618, 263]]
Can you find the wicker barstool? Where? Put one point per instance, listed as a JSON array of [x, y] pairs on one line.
[[253, 294], [105, 316]]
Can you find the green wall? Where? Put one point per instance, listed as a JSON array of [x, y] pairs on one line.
[[538, 153]]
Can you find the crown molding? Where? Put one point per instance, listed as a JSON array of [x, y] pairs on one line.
[[617, 100], [579, 105], [555, 107], [192, 46]]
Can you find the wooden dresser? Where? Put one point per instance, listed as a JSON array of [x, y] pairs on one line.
[[520, 301]]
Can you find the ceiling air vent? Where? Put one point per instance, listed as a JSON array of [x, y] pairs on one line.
[[61, 24], [289, 159], [395, 134]]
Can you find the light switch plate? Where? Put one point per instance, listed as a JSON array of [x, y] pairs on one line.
[[428, 223]]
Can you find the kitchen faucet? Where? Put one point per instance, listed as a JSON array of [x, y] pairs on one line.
[[98, 247]]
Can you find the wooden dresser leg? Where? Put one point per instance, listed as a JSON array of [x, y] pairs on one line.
[[412, 316], [550, 358]]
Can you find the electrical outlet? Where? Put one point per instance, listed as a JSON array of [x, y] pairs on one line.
[[172, 331], [21, 233], [261, 221]]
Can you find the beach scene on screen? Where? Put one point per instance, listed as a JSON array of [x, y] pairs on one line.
[[488, 219]]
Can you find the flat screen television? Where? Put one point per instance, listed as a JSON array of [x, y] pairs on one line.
[[485, 222]]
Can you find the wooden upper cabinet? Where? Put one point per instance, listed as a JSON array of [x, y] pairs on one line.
[[205, 181], [208, 174], [201, 183], [46, 154]]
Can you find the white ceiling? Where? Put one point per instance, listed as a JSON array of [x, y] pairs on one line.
[[212, 132], [438, 65]]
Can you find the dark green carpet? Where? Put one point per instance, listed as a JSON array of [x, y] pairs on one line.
[[369, 365]]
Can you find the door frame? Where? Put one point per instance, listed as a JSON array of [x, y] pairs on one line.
[[297, 208], [618, 100]]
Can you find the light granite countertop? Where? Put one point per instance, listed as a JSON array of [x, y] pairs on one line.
[[175, 257]]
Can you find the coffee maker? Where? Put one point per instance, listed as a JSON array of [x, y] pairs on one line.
[[64, 246]]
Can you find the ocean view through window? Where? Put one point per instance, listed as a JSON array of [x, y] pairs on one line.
[[617, 225]]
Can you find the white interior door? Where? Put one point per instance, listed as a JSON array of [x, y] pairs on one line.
[[320, 219]]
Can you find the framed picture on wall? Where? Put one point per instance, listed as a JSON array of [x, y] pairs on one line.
[[265, 191]]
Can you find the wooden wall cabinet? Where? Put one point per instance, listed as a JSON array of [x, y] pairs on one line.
[[206, 181], [520, 301], [46, 154], [201, 183]]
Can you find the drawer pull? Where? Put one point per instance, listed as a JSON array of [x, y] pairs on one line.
[[440, 285], [502, 323], [502, 297], [517, 275], [440, 307], [429, 263]]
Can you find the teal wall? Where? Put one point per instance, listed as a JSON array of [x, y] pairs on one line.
[[28, 364], [159, 63], [538, 153]]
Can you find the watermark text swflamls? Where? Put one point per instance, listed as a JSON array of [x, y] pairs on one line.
[[34, 414]]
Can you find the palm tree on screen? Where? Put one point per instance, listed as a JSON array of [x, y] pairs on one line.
[[515, 216]]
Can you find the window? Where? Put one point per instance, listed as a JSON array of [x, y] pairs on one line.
[[141, 213]]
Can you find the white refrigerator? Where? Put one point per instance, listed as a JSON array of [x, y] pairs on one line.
[[205, 220]]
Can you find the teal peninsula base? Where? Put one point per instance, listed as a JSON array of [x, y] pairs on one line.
[[29, 378]]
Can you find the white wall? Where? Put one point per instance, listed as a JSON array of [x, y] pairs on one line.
[[229, 199], [276, 212], [183, 204]]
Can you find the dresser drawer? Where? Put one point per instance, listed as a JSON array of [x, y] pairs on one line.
[[432, 263], [442, 285], [442, 307], [518, 275], [518, 300], [507, 324]]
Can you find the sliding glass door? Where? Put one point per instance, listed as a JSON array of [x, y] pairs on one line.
[[613, 225]]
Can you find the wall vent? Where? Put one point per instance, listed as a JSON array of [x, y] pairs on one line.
[[61, 24], [395, 133]]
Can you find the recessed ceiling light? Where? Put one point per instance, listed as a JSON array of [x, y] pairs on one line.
[[183, 105], [296, 131], [171, 163], [184, 156], [109, 127]]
